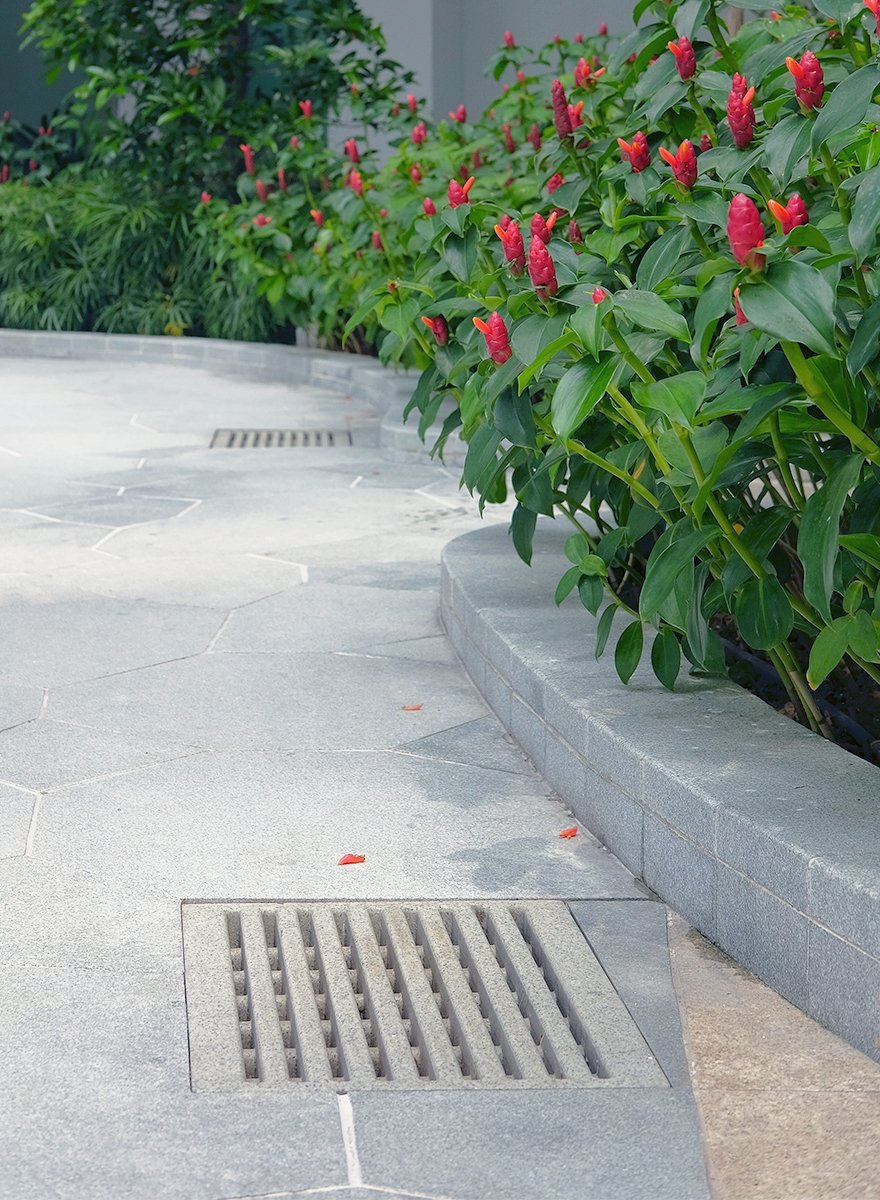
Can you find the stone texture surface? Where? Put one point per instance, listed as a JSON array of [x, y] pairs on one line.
[[761, 834]]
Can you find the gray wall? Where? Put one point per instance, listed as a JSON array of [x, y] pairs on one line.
[[23, 88]]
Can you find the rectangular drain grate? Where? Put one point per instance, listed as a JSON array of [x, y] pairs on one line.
[[253, 439], [458, 994]]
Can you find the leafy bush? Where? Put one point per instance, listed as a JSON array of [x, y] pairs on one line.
[[99, 232], [669, 340]]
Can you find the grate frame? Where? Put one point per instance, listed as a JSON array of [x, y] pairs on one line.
[[280, 439], [482, 994]]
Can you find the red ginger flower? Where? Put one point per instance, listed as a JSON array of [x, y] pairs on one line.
[[705, 143], [685, 59], [809, 79], [351, 149], [294, 143], [534, 134], [740, 114], [683, 163], [458, 192], [512, 244], [376, 240], [439, 328], [636, 151], [206, 197], [317, 216], [260, 219], [542, 229], [541, 269], [356, 181], [561, 118], [248, 153], [509, 143], [574, 231], [508, 39], [739, 84], [554, 182], [429, 206], [603, 30], [745, 231], [574, 114], [790, 215], [415, 173], [520, 78], [459, 114], [411, 102], [495, 332], [741, 318], [262, 190], [599, 294], [282, 179], [419, 133], [305, 107]]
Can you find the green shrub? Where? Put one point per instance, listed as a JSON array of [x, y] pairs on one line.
[[685, 368]]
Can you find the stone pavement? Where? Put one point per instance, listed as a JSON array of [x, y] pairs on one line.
[[221, 671]]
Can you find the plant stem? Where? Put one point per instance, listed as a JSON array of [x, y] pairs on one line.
[[805, 377], [784, 465]]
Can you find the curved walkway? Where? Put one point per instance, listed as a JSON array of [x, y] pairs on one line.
[[223, 670]]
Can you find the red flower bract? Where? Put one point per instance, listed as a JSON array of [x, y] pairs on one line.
[[685, 59], [541, 269], [790, 215], [429, 206], [351, 149], [574, 231], [745, 231], [248, 158], [683, 163], [561, 118], [740, 114], [636, 151], [457, 193], [534, 136], [495, 332], [512, 244], [539, 228], [809, 79], [599, 294], [419, 133], [439, 328]]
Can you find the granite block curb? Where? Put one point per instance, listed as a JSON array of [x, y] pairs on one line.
[[385, 389], [760, 834]]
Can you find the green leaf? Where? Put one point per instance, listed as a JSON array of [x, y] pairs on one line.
[[715, 302], [847, 106], [865, 546], [677, 397], [759, 537], [461, 254], [666, 657], [628, 651], [763, 612], [648, 311], [549, 352], [793, 302], [865, 346], [568, 196], [661, 259], [532, 335], [586, 322], [671, 555], [591, 590], [785, 145], [522, 532], [827, 651], [865, 214], [603, 629], [566, 584], [819, 535], [482, 452], [513, 417], [578, 392]]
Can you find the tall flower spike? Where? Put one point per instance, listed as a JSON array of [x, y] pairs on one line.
[[561, 119], [356, 181], [534, 134], [412, 102], [739, 84], [351, 150], [509, 143], [419, 133], [430, 208], [248, 154], [741, 115], [685, 59], [261, 190], [509, 39], [512, 244], [574, 231], [554, 182], [305, 107], [745, 232], [809, 79], [541, 269], [282, 179], [574, 114], [636, 151], [495, 332], [539, 228], [439, 328], [790, 215], [458, 192], [683, 163]]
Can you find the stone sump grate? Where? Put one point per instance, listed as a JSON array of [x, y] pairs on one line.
[[491, 994], [275, 439]]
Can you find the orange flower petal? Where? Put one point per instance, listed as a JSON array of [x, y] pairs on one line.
[[349, 860], [569, 833]]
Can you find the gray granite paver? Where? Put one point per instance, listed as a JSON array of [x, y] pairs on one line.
[[283, 623]]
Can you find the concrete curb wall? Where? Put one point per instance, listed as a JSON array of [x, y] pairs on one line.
[[763, 836], [364, 378]]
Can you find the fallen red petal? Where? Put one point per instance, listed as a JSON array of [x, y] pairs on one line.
[[349, 860], [412, 707], [566, 833]]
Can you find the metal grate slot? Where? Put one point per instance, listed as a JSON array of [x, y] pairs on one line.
[[485, 994], [274, 439]]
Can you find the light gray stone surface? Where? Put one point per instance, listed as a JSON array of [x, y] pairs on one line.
[[205, 665], [762, 835]]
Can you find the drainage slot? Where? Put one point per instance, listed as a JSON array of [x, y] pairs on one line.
[[276, 439]]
